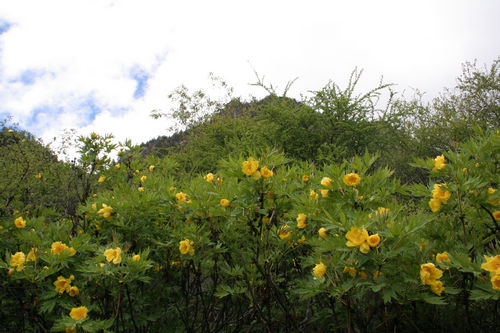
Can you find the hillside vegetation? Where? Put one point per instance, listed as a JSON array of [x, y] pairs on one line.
[[332, 213]]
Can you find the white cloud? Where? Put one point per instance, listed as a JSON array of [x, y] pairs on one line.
[[88, 50]]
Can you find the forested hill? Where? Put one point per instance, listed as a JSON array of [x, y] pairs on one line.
[[336, 123]]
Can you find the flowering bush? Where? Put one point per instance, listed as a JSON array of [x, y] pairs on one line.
[[249, 249]]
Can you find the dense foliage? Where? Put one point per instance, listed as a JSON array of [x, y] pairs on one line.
[[276, 215]]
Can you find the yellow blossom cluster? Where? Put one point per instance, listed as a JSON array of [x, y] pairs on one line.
[[429, 275], [492, 265], [78, 313], [101, 179], [442, 257], [63, 284], [250, 168], [495, 202], [225, 203], [186, 246], [360, 237], [326, 181], [20, 222], [113, 255], [351, 179], [209, 177], [181, 196], [18, 260], [439, 163], [380, 212], [301, 221], [283, 232], [322, 233], [59, 247], [319, 269], [313, 195], [439, 197], [106, 211]]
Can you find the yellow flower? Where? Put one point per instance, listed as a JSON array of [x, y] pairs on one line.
[[439, 163], [62, 284], [373, 240], [209, 177], [181, 197], [70, 329], [492, 191], [79, 313], [495, 282], [363, 275], [38, 176], [382, 211], [326, 181], [301, 221], [283, 233], [351, 270], [265, 172], [32, 255], [140, 189], [435, 205], [496, 215], [302, 240], [356, 237], [151, 168], [136, 257], [114, 255], [319, 269], [137, 171], [440, 194], [256, 175], [105, 211], [17, 260], [186, 246], [219, 180], [71, 251], [437, 287], [429, 273], [143, 178], [324, 193], [351, 179], [305, 178], [73, 291], [322, 233], [11, 271], [20, 222], [117, 166], [171, 188], [364, 248], [491, 265], [224, 203], [313, 195], [58, 247], [189, 202], [101, 179], [441, 257], [250, 166]]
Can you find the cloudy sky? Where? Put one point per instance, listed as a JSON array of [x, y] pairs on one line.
[[103, 65]]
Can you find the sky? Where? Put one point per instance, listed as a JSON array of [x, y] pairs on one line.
[[103, 65]]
